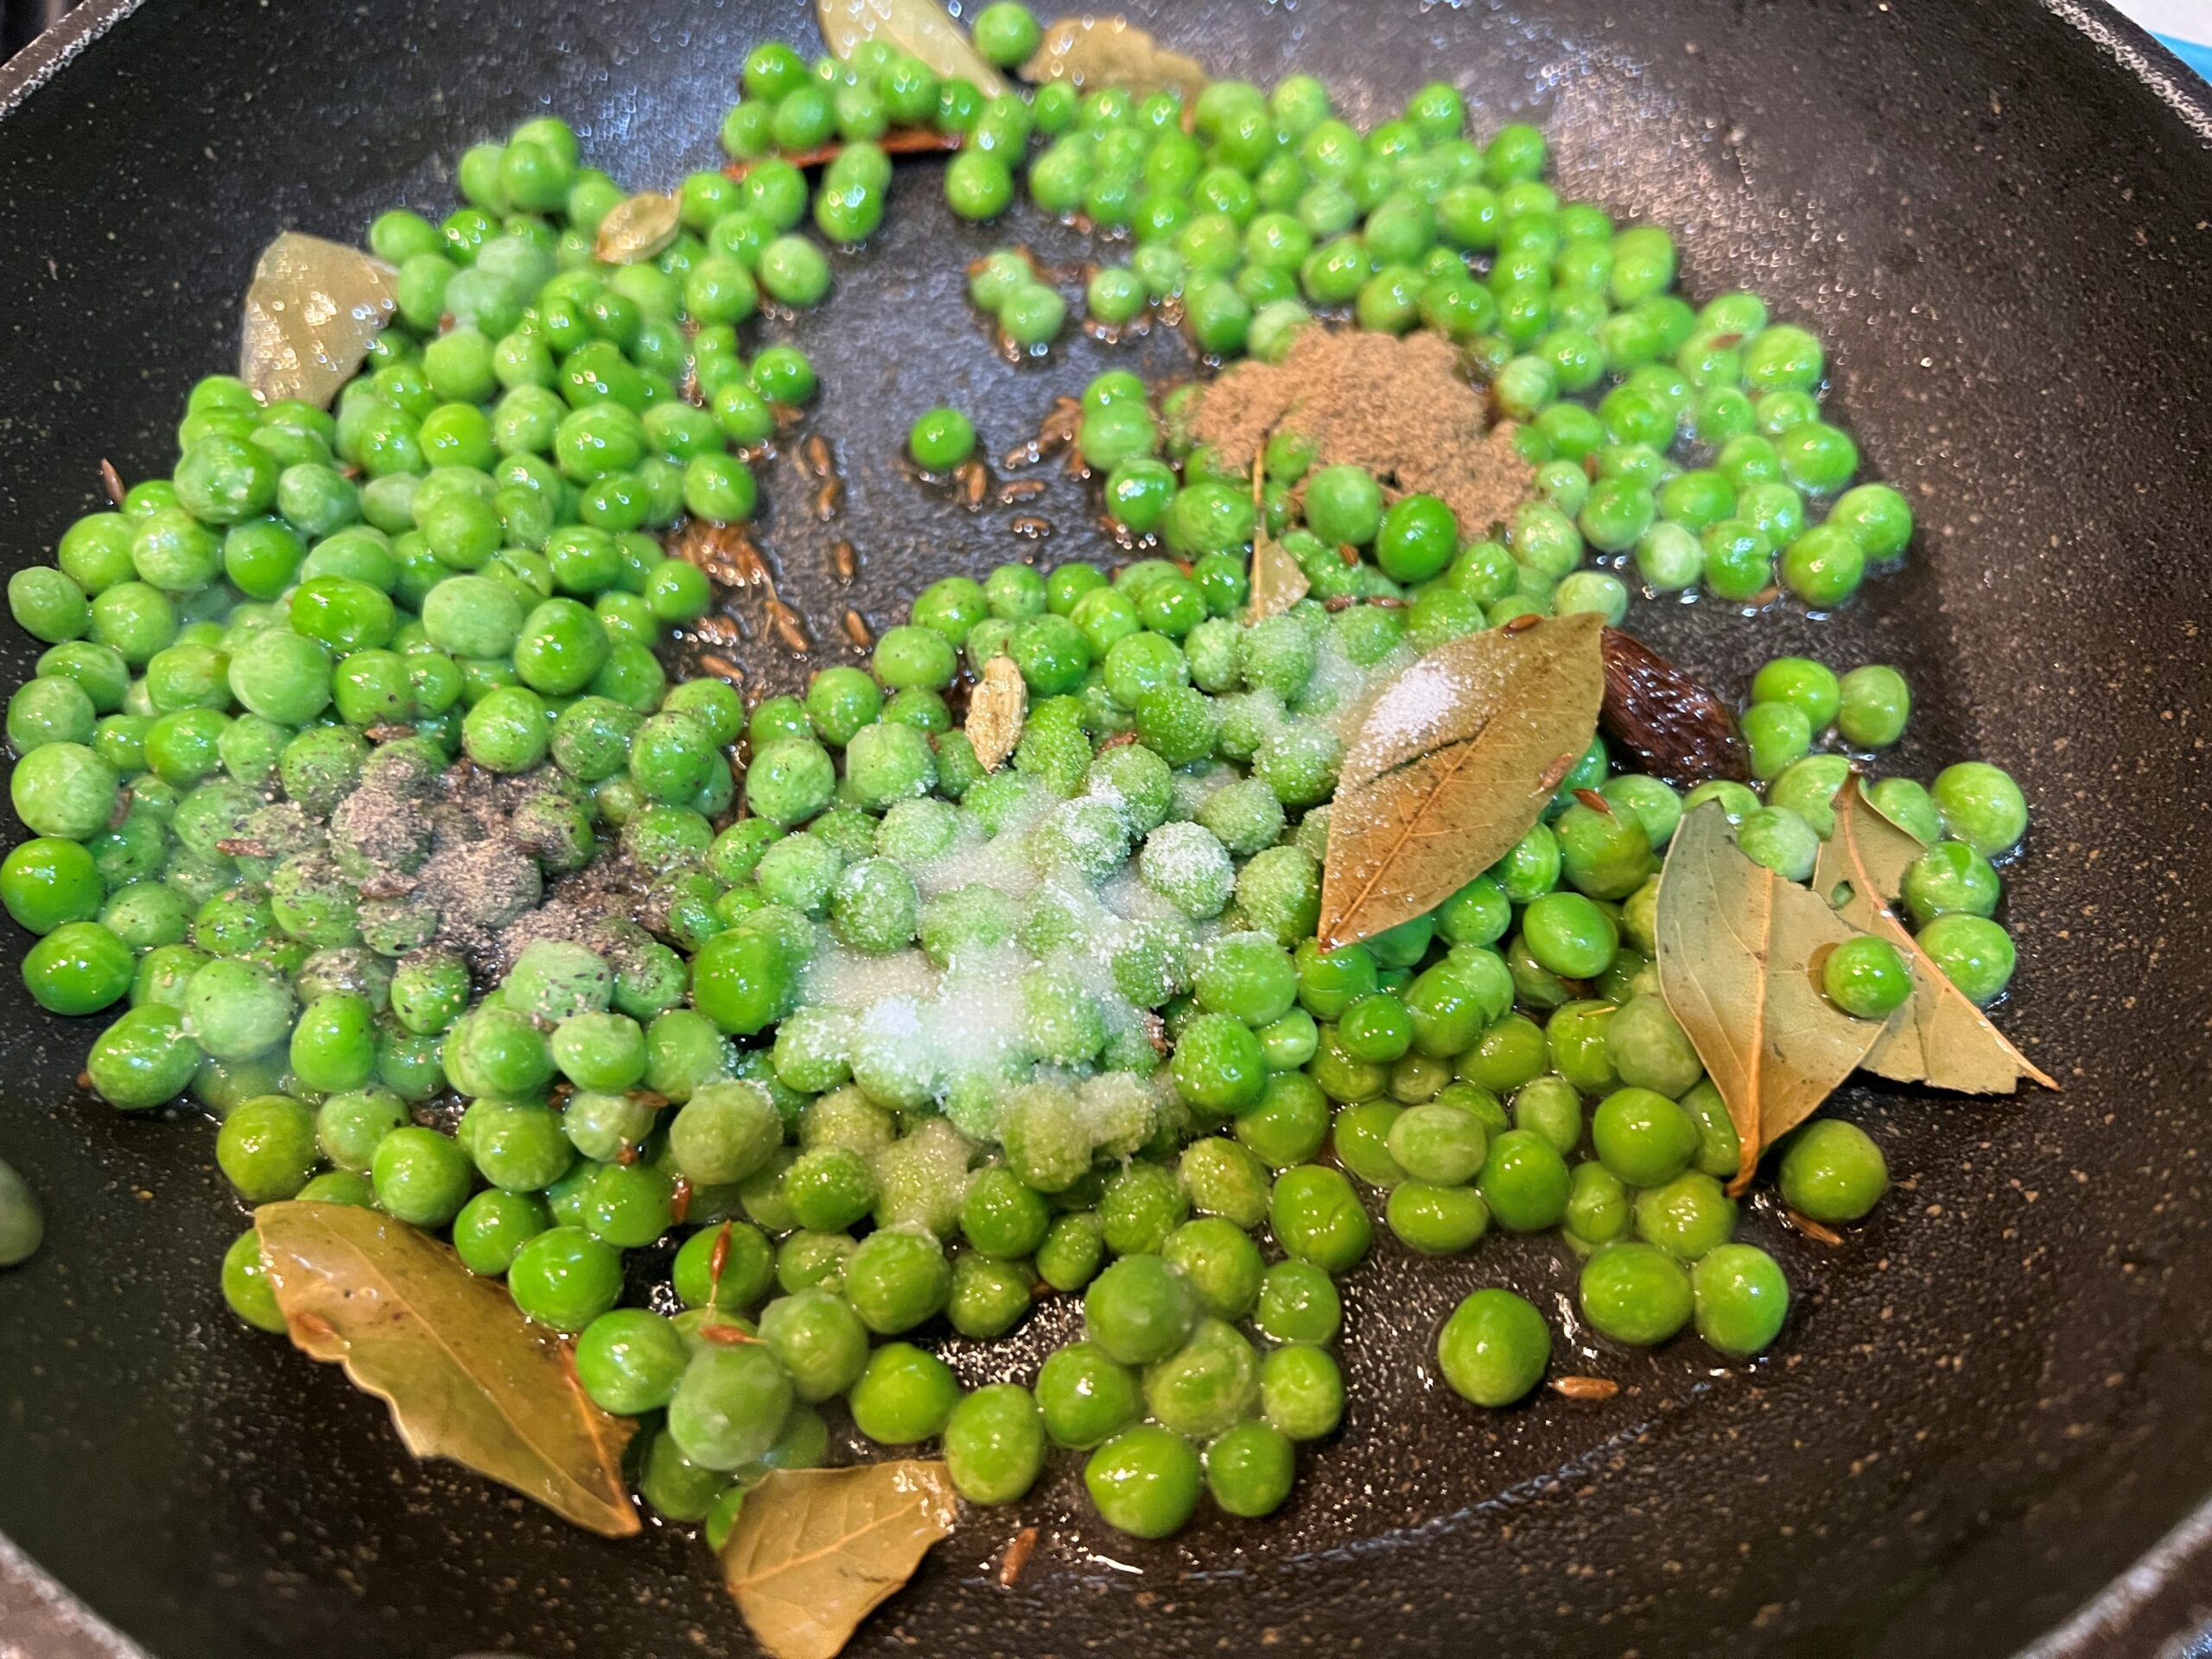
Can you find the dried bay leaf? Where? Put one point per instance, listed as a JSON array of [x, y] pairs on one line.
[[814, 1551], [1278, 580], [1739, 951], [995, 713], [1094, 51], [467, 1375], [638, 228], [1453, 765], [1938, 1037], [919, 27], [311, 312]]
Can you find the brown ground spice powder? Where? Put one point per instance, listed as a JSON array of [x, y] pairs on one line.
[[450, 842], [1401, 408]]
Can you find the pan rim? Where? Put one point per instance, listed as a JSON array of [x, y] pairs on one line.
[[2138, 53], [52, 50], [2144, 1605]]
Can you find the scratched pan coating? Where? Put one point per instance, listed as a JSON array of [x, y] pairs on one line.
[[1992, 1398]]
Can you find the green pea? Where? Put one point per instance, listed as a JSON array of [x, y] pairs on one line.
[[1494, 1348], [1524, 1181], [1741, 1299], [995, 1443], [1635, 1294], [1144, 1481], [904, 1394], [1831, 1172], [1685, 1217], [22, 1223], [1874, 704]]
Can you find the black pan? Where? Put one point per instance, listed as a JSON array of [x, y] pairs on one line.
[[1994, 1397]]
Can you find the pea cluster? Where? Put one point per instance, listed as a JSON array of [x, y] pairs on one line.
[[1680, 447], [913, 1037], [1973, 814]]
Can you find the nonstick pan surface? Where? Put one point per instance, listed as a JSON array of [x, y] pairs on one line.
[[1992, 1397]]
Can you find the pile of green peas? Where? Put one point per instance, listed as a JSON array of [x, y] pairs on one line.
[[1675, 448], [463, 550], [1970, 818], [1681, 447]]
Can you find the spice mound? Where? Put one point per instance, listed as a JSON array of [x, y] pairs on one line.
[[1402, 409]]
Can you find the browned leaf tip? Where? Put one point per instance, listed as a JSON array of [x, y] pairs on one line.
[[1670, 721], [1018, 1552], [1586, 1388]]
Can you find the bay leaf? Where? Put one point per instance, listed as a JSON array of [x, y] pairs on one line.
[[1739, 951], [814, 1551], [922, 28], [995, 711], [1938, 1037], [638, 228], [467, 1377], [1453, 763], [1111, 51], [312, 311], [1278, 580]]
